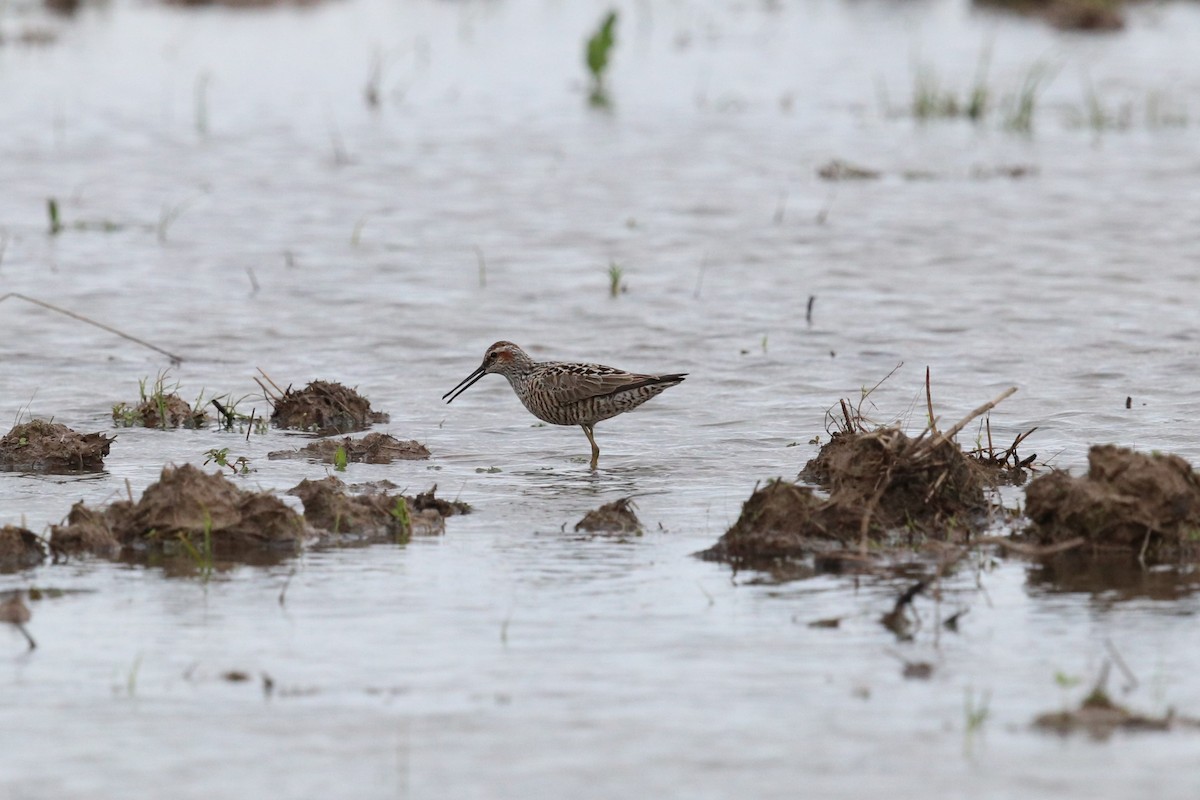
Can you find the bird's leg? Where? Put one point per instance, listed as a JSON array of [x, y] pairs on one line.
[[595, 449]]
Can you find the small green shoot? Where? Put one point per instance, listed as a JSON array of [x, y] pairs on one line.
[[340, 458], [238, 466], [975, 713], [1020, 116], [202, 557], [55, 222], [399, 512], [615, 275], [596, 55]]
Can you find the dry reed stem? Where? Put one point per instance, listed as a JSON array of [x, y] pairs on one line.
[[175, 360]]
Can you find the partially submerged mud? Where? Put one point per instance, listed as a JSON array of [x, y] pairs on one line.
[[881, 484], [368, 518], [616, 517], [19, 549], [324, 407], [159, 411], [186, 510], [42, 446], [1147, 505], [374, 448], [1076, 15], [1100, 717]]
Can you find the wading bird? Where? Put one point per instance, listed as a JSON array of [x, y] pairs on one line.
[[563, 393]]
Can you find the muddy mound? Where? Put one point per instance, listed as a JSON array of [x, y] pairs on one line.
[[1146, 504], [323, 407], [159, 411], [364, 518], [898, 480], [187, 507], [614, 517], [1100, 717], [374, 448], [1075, 15], [19, 549], [879, 482], [43, 446], [783, 520], [429, 501]]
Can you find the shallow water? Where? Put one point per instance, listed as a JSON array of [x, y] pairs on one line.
[[513, 657]]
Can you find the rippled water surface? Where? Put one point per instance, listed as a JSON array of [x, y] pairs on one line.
[[245, 207]]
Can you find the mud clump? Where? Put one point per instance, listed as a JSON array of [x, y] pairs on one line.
[[429, 501], [159, 411], [616, 517], [1148, 505], [880, 482], [186, 509], [324, 407], [365, 518], [374, 448], [19, 549], [43, 446], [1099, 717], [1075, 15]]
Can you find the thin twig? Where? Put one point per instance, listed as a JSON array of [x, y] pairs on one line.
[[983, 409], [175, 360], [929, 402]]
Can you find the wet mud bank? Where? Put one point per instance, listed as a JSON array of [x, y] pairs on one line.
[[186, 510], [189, 512], [615, 518], [374, 448], [19, 549], [374, 516], [885, 489], [1146, 505], [41, 446]]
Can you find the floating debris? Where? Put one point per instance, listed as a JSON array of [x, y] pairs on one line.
[[42, 446], [615, 517], [374, 448], [19, 549]]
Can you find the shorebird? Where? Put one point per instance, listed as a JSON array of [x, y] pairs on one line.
[[563, 393]]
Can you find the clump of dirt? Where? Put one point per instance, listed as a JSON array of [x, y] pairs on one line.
[[189, 509], [784, 520], [1145, 504], [428, 501], [1099, 717], [159, 411], [323, 407], [44, 446], [365, 518], [1078, 15], [880, 482], [837, 170], [19, 549], [615, 517], [374, 448]]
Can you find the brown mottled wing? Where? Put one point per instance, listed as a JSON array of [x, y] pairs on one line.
[[565, 384]]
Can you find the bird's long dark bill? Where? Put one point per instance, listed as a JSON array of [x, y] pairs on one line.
[[466, 384]]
